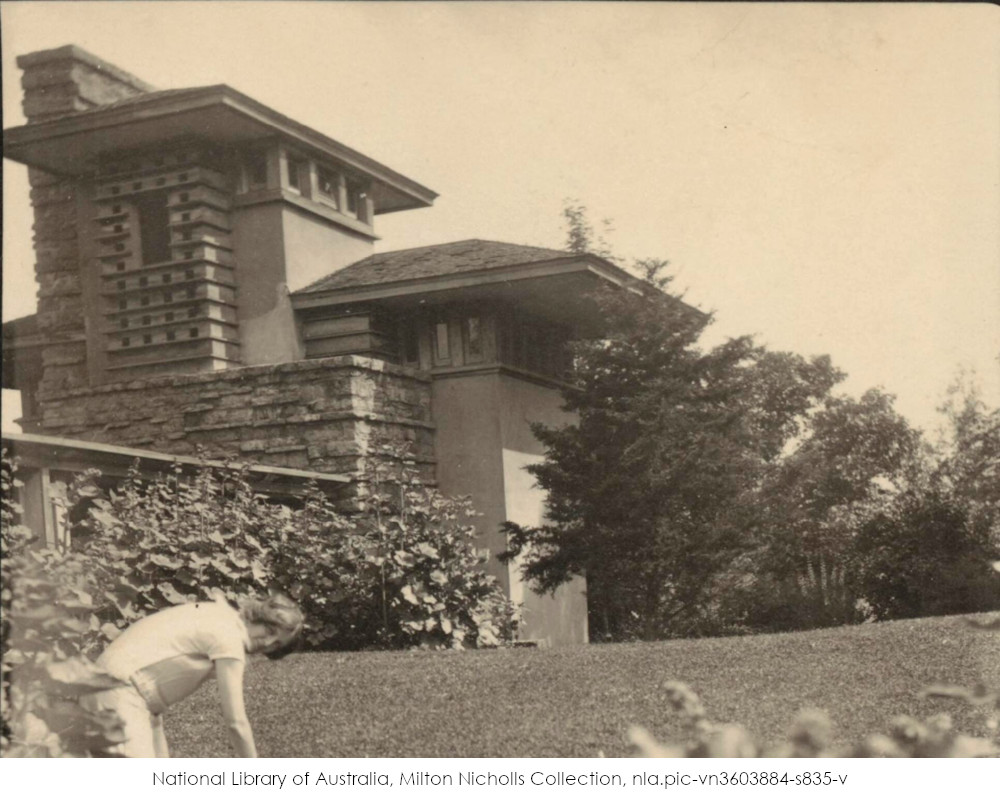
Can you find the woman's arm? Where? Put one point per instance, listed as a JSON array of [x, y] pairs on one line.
[[229, 674]]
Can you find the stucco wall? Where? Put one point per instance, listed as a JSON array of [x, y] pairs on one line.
[[466, 412], [266, 323], [315, 415], [483, 441], [559, 618], [315, 248]]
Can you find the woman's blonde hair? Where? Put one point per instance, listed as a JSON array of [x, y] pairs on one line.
[[277, 611]]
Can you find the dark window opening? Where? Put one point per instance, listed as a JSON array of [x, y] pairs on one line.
[[154, 229], [474, 337], [193, 333], [411, 343], [296, 173], [328, 183], [256, 166], [147, 339]]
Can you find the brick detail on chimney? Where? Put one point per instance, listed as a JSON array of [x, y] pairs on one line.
[[66, 80], [60, 82]]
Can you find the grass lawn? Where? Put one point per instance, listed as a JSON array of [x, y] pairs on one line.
[[579, 701]]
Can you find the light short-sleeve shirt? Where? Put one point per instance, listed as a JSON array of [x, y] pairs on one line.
[[168, 655]]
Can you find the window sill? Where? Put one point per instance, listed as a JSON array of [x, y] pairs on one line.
[[317, 208]]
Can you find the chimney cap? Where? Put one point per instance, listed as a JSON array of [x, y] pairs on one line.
[[71, 52]]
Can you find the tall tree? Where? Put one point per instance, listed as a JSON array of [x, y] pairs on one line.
[[651, 493]]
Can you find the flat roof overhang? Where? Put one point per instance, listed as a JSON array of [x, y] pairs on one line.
[[557, 290], [70, 145], [74, 456]]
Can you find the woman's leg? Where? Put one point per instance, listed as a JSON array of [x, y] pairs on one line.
[[160, 737], [137, 721]]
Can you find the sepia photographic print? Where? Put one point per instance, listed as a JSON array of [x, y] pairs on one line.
[[501, 380]]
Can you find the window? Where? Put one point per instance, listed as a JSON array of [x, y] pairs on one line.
[[473, 338], [120, 266], [147, 338], [193, 311], [144, 301], [411, 342], [167, 278], [171, 335], [116, 209], [122, 305], [154, 227], [297, 173], [144, 281], [168, 297], [123, 323], [353, 198], [442, 351], [328, 183], [146, 320], [126, 342], [121, 286], [256, 170], [168, 317], [193, 333]]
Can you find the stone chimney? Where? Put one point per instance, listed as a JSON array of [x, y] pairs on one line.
[[58, 83], [68, 79]]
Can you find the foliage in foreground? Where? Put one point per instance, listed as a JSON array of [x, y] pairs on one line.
[[812, 733], [47, 625]]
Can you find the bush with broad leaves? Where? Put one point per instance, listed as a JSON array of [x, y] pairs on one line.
[[164, 541], [401, 572], [48, 624]]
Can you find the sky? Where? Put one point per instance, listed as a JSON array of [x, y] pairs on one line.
[[824, 176]]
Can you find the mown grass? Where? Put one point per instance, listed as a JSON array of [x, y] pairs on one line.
[[580, 701]]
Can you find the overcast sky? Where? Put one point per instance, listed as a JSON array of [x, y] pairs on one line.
[[824, 176]]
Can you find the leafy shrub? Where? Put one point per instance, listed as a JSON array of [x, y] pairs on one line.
[[925, 557], [161, 542], [402, 572], [812, 734], [48, 625]]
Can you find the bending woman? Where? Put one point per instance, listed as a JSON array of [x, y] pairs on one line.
[[166, 656]]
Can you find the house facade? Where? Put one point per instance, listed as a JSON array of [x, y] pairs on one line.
[[208, 281]]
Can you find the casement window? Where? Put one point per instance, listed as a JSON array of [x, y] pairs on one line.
[[442, 346]]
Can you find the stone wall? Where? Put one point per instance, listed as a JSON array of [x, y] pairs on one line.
[[317, 415]]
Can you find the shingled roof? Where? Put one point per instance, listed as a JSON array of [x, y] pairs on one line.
[[433, 260]]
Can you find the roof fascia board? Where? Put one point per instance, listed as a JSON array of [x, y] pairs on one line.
[[518, 272], [200, 98]]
